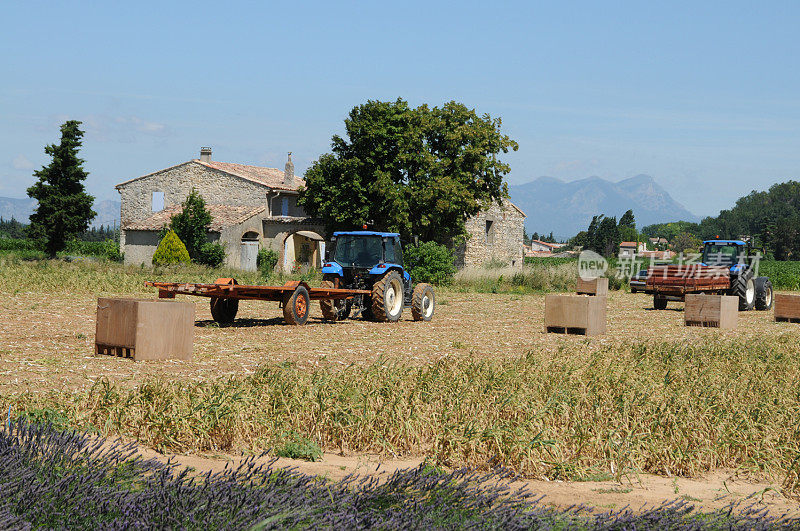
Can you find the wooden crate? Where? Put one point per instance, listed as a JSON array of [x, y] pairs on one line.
[[595, 286], [715, 311], [787, 307], [145, 329], [575, 314]]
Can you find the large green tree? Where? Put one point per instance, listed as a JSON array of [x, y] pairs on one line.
[[602, 236], [64, 209], [419, 171]]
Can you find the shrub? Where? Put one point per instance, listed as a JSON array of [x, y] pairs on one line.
[[211, 254], [18, 244], [108, 249], [191, 224], [430, 262], [171, 250], [266, 261], [300, 448]]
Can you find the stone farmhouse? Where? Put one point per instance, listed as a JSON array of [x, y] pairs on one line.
[[495, 234], [254, 208]]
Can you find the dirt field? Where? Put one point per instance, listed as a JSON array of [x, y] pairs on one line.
[[46, 341]]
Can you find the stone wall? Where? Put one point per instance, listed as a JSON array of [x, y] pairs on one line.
[[139, 246], [276, 231], [275, 205], [494, 234], [177, 182]]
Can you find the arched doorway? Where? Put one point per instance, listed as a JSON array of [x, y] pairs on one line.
[[303, 250], [249, 251]]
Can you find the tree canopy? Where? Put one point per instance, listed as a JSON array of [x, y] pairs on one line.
[[418, 171], [771, 218], [64, 209], [604, 234]]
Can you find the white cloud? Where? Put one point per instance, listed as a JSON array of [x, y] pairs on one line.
[[21, 162]]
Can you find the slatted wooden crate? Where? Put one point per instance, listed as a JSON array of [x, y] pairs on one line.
[[145, 329], [787, 307], [595, 286], [575, 314], [714, 311]]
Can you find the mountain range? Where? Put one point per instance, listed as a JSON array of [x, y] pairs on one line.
[[21, 209], [566, 208]]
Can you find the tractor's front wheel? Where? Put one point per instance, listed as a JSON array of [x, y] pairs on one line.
[[763, 293], [387, 297], [328, 306], [295, 307], [334, 309], [659, 302], [423, 302]]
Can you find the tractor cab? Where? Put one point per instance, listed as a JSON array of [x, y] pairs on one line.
[[365, 249], [358, 259], [733, 254]]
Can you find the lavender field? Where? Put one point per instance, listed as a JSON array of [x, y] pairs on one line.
[[66, 479]]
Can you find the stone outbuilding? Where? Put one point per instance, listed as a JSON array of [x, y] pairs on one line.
[[252, 208], [495, 234]]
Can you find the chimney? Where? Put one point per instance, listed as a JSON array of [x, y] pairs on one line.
[[288, 172], [205, 154]]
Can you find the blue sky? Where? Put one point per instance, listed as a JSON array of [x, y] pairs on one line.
[[705, 97]]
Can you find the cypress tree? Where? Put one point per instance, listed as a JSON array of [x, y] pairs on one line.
[[64, 209]]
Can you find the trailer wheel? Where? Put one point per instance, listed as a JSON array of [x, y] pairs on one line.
[[224, 310], [296, 306], [659, 302], [745, 288], [423, 302], [387, 297], [763, 293]]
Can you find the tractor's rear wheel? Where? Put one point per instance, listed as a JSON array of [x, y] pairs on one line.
[[296, 306], [659, 302], [763, 293], [745, 288], [423, 302], [224, 310], [387, 297]]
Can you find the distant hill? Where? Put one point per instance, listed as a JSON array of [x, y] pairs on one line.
[[21, 209], [566, 208]]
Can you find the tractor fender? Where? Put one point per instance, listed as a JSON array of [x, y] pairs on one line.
[[332, 268], [382, 269]]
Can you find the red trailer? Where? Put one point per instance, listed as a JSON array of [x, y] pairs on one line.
[[673, 282], [225, 294]]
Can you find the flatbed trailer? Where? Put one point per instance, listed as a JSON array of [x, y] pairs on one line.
[[225, 294], [673, 282]]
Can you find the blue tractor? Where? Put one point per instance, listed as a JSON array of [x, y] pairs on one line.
[[737, 256], [372, 261], [727, 267]]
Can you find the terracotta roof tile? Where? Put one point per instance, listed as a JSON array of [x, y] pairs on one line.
[[272, 177], [221, 215]]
